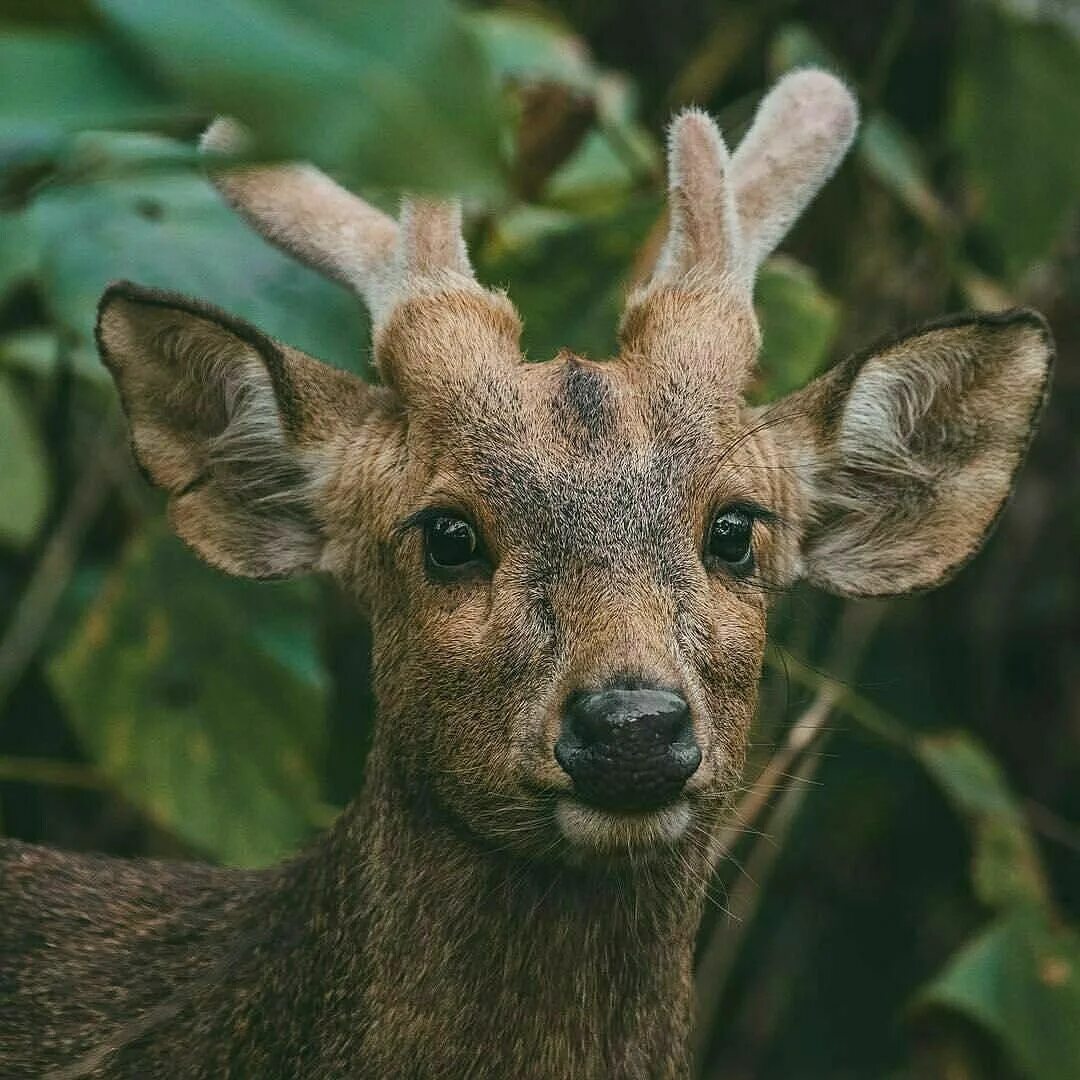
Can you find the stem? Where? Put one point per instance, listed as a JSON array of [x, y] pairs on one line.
[[722, 948], [854, 634], [35, 608], [28, 770], [870, 717], [1049, 825], [718, 955]]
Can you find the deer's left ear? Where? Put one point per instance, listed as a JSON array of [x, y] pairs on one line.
[[240, 431], [906, 454]]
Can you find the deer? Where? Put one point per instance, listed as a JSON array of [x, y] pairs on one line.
[[567, 567]]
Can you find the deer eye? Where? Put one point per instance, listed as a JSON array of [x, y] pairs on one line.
[[730, 537], [449, 541]]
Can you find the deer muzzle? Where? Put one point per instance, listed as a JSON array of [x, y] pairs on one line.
[[628, 748]]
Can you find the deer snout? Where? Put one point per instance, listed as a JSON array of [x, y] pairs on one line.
[[628, 748]]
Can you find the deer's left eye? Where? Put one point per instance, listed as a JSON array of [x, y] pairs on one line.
[[450, 541], [730, 538]]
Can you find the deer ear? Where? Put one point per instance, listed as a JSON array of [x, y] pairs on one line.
[[907, 453], [240, 431]]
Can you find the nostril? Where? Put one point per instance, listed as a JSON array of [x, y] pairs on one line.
[[628, 748]]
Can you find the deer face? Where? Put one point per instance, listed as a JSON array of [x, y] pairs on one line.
[[579, 552], [567, 564]]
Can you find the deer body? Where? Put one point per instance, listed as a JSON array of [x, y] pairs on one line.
[[392, 948], [567, 569]]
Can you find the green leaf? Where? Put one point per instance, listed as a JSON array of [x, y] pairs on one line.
[[53, 83], [24, 476], [798, 322], [1014, 114], [202, 698], [357, 88], [174, 231], [615, 159], [796, 45], [39, 352], [524, 46], [18, 253], [569, 281], [32, 351], [1020, 980], [1006, 867]]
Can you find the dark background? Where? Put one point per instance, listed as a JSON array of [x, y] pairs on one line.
[[901, 903]]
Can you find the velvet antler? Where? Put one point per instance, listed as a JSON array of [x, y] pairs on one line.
[[727, 213]]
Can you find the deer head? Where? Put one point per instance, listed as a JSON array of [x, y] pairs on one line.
[[568, 564]]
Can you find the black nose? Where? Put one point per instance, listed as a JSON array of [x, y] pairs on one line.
[[628, 749]]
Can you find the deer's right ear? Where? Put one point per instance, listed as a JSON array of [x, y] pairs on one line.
[[241, 431], [907, 453]]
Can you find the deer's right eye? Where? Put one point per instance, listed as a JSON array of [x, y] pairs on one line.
[[450, 541]]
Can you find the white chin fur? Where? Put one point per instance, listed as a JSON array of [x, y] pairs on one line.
[[610, 831]]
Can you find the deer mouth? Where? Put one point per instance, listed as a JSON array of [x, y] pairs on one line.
[[606, 831]]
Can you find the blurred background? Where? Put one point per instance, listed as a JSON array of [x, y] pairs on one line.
[[903, 887]]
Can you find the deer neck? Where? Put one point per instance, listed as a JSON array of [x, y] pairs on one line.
[[464, 960]]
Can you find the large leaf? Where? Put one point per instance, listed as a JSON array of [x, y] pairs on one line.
[[356, 87], [53, 83], [1020, 980], [174, 231], [522, 45], [798, 322], [24, 477], [40, 353], [1016, 104], [617, 153], [568, 275], [1006, 867], [202, 698]]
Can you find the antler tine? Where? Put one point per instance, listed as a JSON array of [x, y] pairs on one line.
[[303, 211], [703, 232], [800, 133], [432, 243], [389, 263], [695, 311]]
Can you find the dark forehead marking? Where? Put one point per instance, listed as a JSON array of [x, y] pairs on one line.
[[603, 476], [583, 404]]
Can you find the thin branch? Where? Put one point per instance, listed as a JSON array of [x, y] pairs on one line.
[[29, 770], [892, 40], [803, 734], [870, 717], [34, 610], [789, 770], [855, 632], [1051, 826], [722, 948]]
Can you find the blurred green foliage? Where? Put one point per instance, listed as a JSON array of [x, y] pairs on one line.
[[150, 706], [203, 700]]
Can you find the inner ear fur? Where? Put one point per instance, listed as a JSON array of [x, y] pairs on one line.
[[238, 429], [906, 453]]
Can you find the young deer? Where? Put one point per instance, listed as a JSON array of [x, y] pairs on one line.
[[567, 567]]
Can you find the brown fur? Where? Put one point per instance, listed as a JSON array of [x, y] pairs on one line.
[[467, 916]]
